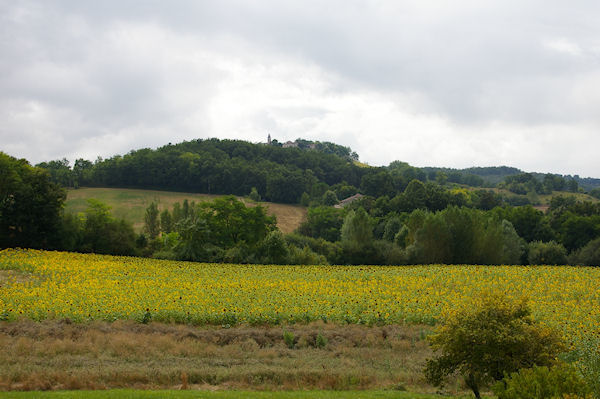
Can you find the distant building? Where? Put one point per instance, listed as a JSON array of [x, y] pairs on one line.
[[269, 139], [289, 144], [348, 200]]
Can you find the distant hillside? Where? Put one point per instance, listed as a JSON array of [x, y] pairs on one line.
[[131, 204], [493, 175], [292, 172]]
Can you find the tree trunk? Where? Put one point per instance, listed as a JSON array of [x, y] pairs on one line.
[[472, 383]]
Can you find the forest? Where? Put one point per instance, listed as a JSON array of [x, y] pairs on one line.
[[405, 215]]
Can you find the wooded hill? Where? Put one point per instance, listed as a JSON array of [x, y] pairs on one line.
[[405, 215], [288, 175]]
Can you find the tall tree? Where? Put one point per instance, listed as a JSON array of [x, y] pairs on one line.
[[30, 205], [152, 221]]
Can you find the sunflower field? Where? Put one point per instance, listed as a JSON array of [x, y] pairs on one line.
[[81, 287]]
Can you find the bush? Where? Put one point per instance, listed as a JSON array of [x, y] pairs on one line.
[[254, 195], [588, 255], [274, 249], [289, 339], [487, 342], [547, 253], [305, 256], [320, 341], [542, 383], [331, 251], [389, 253]]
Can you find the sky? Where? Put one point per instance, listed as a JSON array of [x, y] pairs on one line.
[[433, 83]]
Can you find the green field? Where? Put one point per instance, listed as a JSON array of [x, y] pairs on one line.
[[131, 204]]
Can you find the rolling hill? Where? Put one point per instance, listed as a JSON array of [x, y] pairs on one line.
[[131, 204]]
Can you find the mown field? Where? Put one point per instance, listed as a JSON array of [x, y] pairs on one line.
[[128, 394], [131, 204]]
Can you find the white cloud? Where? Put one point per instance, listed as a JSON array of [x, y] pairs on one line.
[[564, 46]]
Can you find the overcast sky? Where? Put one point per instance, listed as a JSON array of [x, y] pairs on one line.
[[432, 83]]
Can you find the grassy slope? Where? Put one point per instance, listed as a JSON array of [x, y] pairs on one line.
[[131, 204], [130, 394]]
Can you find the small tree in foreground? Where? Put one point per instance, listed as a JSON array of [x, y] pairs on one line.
[[487, 342]]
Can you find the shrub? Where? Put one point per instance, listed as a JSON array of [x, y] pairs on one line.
[[389, 253], [254, 195], [274, 249], [289, 339], [305, 256], [588, 255], [320, 341], [547, 253], [487, 342], [542, 383]]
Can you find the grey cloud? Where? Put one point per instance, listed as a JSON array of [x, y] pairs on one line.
[[453, 55], [472, 63]]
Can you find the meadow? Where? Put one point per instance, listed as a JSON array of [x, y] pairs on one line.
[[131, 204]]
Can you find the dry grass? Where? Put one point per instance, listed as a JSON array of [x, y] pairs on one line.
[[131, 204], [64, 355]]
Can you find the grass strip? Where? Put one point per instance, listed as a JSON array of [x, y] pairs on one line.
[[172, 394]]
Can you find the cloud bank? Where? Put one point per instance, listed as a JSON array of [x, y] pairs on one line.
[[467, 83]]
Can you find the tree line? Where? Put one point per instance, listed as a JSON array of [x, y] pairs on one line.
[[404, 217], [287, 175]]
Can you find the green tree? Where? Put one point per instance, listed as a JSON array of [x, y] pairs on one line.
[[230, 222], [576, 231], [166, 221], [513, 246], [357, 231], [357, 238], [330, 198], [103, 234], [194, 240], [588, 255], [274, 249], [152, 221], [30, 206], [547, 253], [82, 172], [60, 172], [323, 222], [254, 195], [441, 178], [378, 184], [415, 195], [305, 199], [529, 223], [433, 243], [488, 341], [392, 227]]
